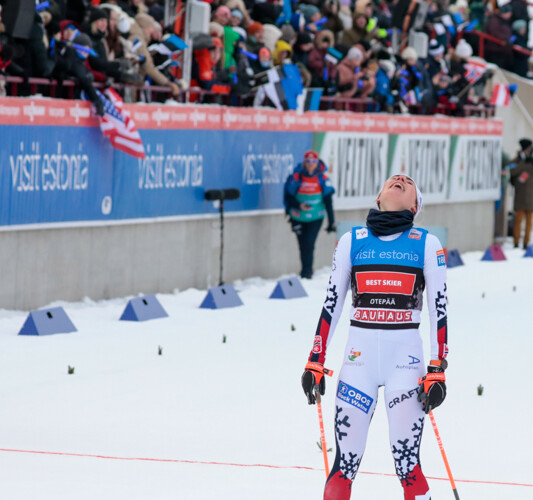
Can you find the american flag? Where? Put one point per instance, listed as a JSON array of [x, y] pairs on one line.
[[474, 70], [118, 126]]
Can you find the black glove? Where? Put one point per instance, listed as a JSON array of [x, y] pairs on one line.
[[432, 388], [332, 228], [313, 380], [296, 227]]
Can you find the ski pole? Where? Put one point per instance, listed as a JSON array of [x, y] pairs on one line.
[[321, 422], [443, 453], [322, 433]]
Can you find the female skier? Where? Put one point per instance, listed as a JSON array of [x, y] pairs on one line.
[[388, 264]]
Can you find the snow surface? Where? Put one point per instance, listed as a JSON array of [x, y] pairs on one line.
[[241, 402]]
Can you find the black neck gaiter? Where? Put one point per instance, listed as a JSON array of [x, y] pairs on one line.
[[385, 223]]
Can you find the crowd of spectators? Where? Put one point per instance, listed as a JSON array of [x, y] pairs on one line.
[[348, 48]]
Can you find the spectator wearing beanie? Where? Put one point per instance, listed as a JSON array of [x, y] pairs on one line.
[[96, 29], [236, 18], [288, 34], [241, 6], [350, 76], [255, 40], [302, 47], [462, 52], [435, 61], [311, 15]]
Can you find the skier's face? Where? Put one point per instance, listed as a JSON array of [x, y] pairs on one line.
[[398, 193]]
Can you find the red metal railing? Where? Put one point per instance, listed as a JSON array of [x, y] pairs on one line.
[[153, 93], [484, 36]]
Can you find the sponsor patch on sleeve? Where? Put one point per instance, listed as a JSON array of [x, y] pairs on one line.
[[354, 396], [441, 258], [317, 344]]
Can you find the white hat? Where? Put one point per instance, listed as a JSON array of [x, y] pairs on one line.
[[124, 24], [435, 48], [463, 49], [409, 53], [354, 53]]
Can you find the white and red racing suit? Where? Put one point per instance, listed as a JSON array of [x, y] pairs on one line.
[[387, 275]]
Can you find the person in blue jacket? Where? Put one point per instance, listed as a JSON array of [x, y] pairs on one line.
[[308, 198]]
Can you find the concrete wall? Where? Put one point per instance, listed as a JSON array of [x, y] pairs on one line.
[[42, 266]]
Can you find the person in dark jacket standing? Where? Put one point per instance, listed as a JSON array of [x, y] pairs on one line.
[[308, 198], [522, 180]]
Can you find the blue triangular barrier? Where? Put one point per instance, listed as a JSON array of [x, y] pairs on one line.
[[494, 252], [47, 322], [454, 259], [220, 297], [529, 251], [289, 288], [143, 309]]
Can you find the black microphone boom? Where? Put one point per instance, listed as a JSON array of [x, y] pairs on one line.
[[222, 194]]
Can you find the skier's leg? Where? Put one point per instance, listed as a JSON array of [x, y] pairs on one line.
[[356, 400], [404, 411], [406, 421]]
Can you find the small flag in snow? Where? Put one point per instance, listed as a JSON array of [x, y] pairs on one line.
[[501, 95]]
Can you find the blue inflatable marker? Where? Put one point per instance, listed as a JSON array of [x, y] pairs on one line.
[[221, 297], [47, 322], [454, 259], [143, 309], [494, 253], [529, 251], [289, 288]]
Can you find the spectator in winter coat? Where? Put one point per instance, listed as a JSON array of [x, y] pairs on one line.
[[206, 72], [353, 81], [308, 197], [358, 32], [302, 48], [255, 40], [145, 28], [101, 66], [282, 51], [334, 22], [316, 62], [382, 92], [522, 180], [499, 26], [70, 63], [520, 61]]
